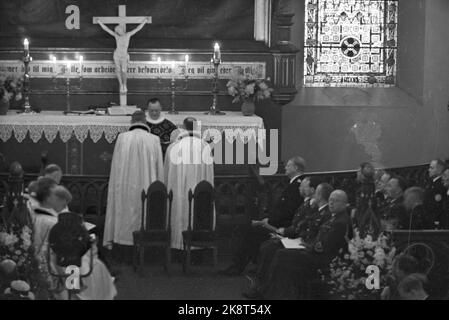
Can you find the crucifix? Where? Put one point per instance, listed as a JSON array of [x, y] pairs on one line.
[[121, 56]]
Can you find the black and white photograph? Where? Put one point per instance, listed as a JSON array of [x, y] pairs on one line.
[[224, 154]]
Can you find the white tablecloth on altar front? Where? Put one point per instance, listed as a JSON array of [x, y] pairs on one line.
[[50, 124]]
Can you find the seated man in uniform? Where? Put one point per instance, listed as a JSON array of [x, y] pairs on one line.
[[306, 229], [291, 268], [394, 211], [159, 125], [246, 239]]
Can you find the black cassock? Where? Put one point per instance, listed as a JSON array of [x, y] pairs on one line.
[[163, 130]]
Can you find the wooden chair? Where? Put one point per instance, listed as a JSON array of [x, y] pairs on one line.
[[201, 230], [155, 227]]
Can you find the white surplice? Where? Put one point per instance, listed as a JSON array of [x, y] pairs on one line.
[[187, 162], [136, 163]]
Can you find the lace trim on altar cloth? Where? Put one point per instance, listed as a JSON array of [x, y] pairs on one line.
[[110, 132]]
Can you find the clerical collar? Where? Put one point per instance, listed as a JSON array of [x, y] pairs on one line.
[[139, 126], [294, 178], [161, 118]]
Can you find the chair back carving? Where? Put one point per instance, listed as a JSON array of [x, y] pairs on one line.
[[203, 207], [155, 215]]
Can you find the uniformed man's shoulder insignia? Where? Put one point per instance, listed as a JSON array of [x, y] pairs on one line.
[[438, 197], [318, 246]]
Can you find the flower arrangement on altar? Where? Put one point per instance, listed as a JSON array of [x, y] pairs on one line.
[[348, 273], [11, 88], [248, 91], [244, 89]]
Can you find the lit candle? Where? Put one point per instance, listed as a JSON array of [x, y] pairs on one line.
[[159, 63], [187, 61], [217, 53], [81, 65], [26, 44], [53, 60]]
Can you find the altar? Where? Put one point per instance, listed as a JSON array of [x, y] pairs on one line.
[[83, 144], [122, 55]]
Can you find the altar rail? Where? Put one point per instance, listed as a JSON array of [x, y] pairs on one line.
[[239, 197]]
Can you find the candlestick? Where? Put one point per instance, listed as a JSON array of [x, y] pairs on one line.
[[214, 110], [65, 72], [26, 82]]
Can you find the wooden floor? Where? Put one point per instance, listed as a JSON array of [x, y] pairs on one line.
[[202, 283]]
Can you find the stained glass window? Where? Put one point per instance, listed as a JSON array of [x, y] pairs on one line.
[[350, 43]]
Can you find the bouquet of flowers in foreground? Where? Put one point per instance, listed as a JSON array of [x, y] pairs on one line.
[[20, 273], [348, 273]]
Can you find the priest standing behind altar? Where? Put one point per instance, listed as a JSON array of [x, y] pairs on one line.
[[188, 162], [136, 163], [159, 125]]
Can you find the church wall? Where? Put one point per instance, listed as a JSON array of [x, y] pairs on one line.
[[436, 77], [337, 128]]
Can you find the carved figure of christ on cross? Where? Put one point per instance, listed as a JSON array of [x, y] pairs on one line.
[[121, 56]]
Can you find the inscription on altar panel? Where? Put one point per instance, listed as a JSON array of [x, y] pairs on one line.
[[136, 69]]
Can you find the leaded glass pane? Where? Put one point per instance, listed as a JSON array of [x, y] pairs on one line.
[[350, 43]]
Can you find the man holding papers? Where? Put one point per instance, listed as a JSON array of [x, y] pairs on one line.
[[292, 268], [303, 230], [246, 239]]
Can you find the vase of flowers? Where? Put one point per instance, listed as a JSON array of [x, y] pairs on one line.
[[349, 272], [247, 92], [4, 106], [10, 92], [248, 108]]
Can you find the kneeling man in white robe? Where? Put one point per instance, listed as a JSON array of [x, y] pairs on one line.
[[188, 161], [136, 164]]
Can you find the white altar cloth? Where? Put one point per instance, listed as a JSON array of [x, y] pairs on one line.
[[50, 124]]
